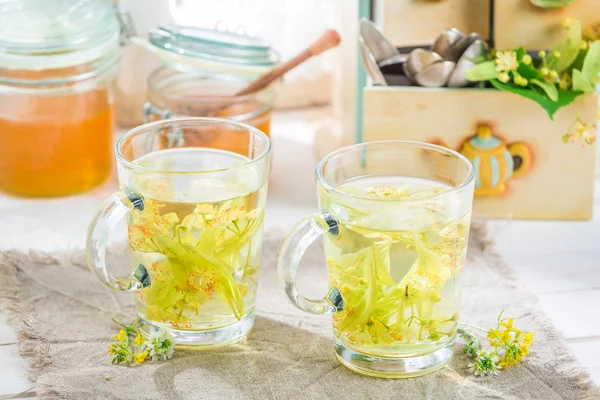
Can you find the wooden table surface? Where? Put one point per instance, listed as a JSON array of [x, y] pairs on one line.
[[558, 261]]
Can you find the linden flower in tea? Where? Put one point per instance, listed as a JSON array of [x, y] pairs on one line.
[[399, 282], [199, 262]]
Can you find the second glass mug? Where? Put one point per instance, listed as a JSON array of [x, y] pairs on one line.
[[394, 221], [195, 224]]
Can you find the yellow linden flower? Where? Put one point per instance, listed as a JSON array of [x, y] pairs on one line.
[[389, 192], [254, 215], [542, 53], [423, 282], [567, 22], [556, 54], [203, 281], [527, 59], [503, 77], [582, 132], [140, 357], [565, 81], [139, 340], [204, 209], [506, 61]]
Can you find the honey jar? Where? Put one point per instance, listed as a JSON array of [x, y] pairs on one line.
[[58, 61]]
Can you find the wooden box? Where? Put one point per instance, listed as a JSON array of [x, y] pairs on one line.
[[418, 22], [552, 180], [520, 23]]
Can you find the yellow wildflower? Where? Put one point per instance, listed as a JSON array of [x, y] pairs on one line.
[[553, 75], [140, 357], [527, 59], [542, 53], [506, 61], [121, 336], [139, 340], [556, 54]]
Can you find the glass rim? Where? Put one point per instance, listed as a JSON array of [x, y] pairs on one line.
[[155, 79], [138, 129], [466, 182]]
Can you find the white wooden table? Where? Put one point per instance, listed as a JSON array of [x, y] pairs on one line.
[[558, 261]]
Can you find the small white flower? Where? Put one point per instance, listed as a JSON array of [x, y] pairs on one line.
[[485, 364], [161, 346]]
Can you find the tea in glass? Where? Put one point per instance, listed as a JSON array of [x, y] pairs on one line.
[[395, 221], [195, 224]]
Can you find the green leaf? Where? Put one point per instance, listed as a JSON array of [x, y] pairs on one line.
[[569, 48], [580, 82], [547, 87], [520, 53], [482, 72], [578, 63], [565, 97], [529, 72], [591, 65]]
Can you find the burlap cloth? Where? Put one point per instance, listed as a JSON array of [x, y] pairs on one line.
[[63, 318]]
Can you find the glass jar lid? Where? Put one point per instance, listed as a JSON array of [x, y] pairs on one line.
[[210, 51], [46, 34]]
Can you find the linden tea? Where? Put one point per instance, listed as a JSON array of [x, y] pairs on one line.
[[202, 246], [394, 217], [398, 276], [195, 225]]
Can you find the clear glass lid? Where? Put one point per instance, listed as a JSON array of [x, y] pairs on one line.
[[55, 33], [213, 45]]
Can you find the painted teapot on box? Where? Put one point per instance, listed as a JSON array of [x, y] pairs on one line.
[[495, 161]]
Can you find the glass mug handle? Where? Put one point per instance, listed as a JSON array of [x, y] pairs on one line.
[[117, 206], [294, 247]]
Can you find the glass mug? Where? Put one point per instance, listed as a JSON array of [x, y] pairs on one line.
[[395, 221], [195, 224]]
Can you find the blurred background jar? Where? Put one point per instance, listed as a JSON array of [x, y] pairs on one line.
[[284, 28], [202, 71], [58, 61]]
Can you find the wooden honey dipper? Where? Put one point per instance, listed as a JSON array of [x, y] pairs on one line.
[[328, 40]]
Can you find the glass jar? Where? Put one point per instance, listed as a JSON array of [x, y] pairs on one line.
[[202, 72], [58, 61]]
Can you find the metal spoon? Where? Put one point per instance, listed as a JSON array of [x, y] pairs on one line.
[[379, 45], [445, 41], [418, 60], [477, 49], [435, 75], [370, 64], [457, 49]]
